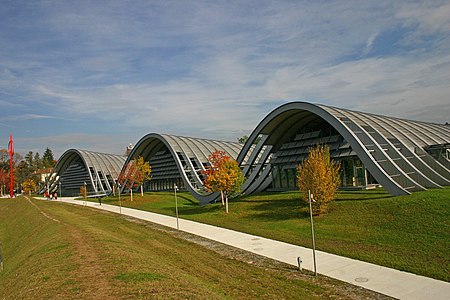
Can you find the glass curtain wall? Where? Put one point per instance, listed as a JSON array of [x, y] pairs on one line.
[[353, 175]]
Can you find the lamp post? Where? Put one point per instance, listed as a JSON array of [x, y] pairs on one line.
[[176, 204], [60, 193], [310, 200], [85, 193], [120, 201]]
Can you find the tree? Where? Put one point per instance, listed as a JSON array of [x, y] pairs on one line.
[[142, 172], [29, 159], [4, 179], [211, 183], [319, 174], [243, 139], [134, 174], [37, 161], [22, 172], [83, 191], [29, 185], [4, 156], [224, 176], [126, 177], [47, 159]]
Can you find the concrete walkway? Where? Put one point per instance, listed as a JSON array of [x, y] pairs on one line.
[[383, 280]]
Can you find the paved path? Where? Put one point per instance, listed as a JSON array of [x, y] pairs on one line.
[[383, 280]]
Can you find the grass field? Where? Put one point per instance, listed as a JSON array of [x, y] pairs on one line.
[[410, 233], [53, 250]]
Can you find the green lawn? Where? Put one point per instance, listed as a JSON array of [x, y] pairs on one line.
[[53, 250], [410, 233]]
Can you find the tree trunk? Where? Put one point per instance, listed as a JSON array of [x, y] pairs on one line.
[[221, 195], [131, 191], [226, 203], [142, 190]]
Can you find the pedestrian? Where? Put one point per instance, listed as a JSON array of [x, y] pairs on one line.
[[55, 196]]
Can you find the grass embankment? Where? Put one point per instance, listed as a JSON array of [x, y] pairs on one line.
[[409, 233], [53, 250]]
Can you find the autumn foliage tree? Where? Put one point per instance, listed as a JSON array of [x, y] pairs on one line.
[[319, 174], [135, 174], [143, 172], [224, 175], [126, 177], [29, 185], [83, 191]]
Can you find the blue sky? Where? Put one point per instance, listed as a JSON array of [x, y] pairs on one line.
[[99, 75]]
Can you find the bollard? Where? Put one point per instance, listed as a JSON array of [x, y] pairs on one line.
[[1, 258], [299, 262]]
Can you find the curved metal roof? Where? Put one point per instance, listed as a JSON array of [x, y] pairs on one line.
[[392, 149], [76, 167], [190, 156]]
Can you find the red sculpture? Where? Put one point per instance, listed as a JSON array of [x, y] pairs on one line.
[[11, 169]]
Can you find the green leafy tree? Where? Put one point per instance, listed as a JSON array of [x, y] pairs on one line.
[[47, 159], [22, 172], [319, 174], [29, 159], [37, 161], [224, 176], [243, 139]]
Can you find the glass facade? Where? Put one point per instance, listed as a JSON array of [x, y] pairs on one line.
[[163, 184], [353, 175]]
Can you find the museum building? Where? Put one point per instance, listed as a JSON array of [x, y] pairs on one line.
[[401, 155]]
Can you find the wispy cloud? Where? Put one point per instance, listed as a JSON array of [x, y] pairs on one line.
[[215, 69]]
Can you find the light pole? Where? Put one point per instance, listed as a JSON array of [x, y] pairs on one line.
[[176, 204], [120, 201], [310, 200], [85, 194], [60, 193]]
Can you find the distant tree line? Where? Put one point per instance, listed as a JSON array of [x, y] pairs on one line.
[[27, 170]]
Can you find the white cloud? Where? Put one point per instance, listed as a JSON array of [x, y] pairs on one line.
[[431, 16], [214, 69]]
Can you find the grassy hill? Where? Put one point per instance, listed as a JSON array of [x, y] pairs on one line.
[[53, 250], [409, 233]]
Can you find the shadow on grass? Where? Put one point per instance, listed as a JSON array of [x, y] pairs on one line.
[[191, 202], [361, 195], [199, 210], [277, 210]]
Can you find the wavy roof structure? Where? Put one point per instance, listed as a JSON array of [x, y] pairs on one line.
[[393, 150], [75, 168], [185, 156]]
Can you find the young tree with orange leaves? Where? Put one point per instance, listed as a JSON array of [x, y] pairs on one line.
[[135, 173], [126, 178], [224, 176], [319, 174]]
